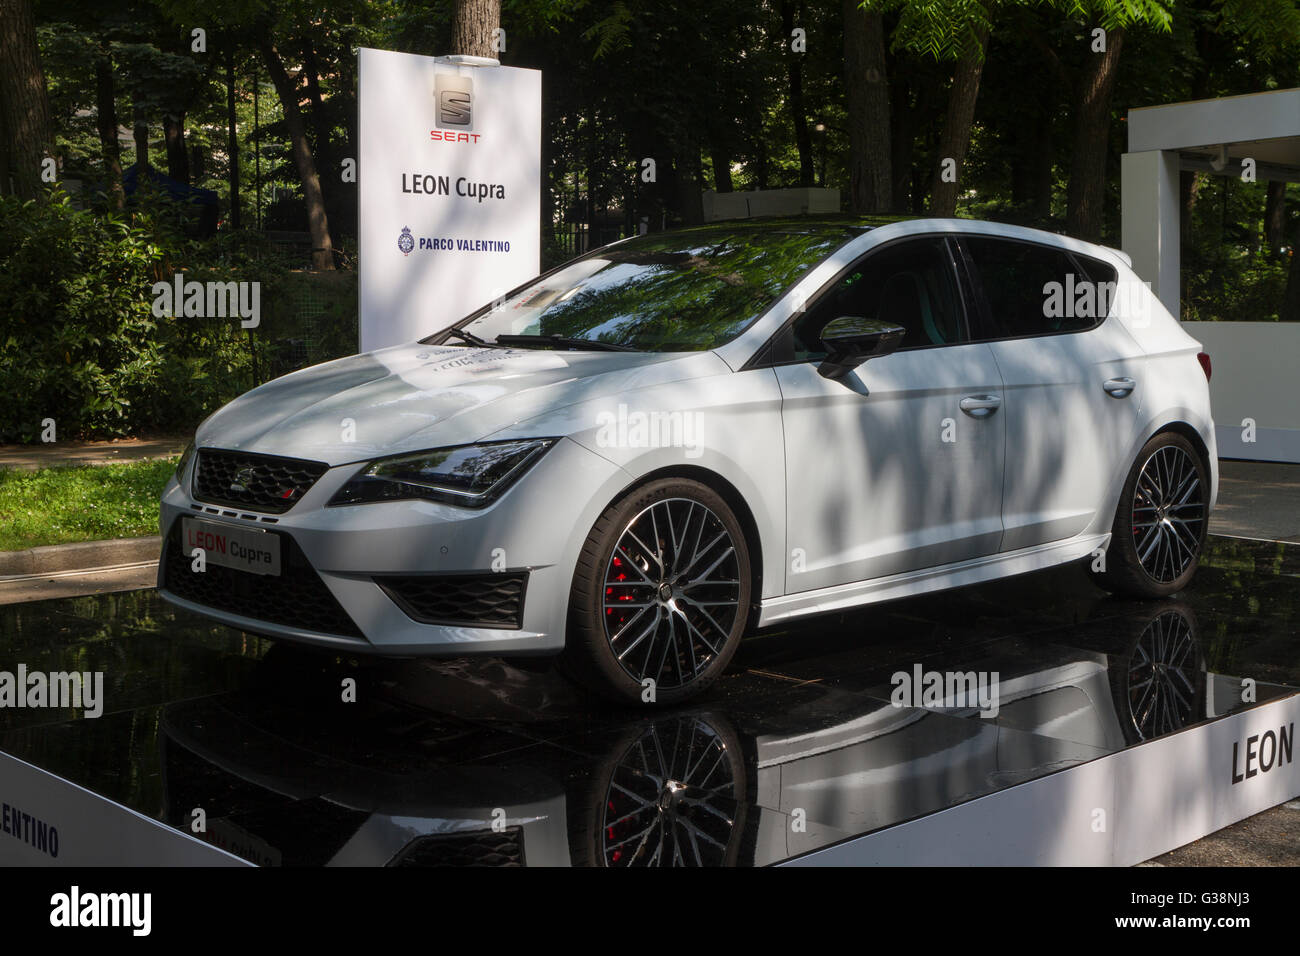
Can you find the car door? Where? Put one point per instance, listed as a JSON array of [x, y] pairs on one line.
[[898, 465], [1073, 383]]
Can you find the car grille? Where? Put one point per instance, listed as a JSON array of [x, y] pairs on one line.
[[258, 482], [475, 600], [479, 848], [296, 597]]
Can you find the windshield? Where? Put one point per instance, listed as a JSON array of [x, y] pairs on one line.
[[682, 291]]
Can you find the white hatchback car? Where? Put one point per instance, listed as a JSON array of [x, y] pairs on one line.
[[637, 456]]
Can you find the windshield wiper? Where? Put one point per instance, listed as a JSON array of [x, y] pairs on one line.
[[559, 340], [471, 338]]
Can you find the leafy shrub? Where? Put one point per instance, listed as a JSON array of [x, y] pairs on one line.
[[79, 342], [77, 337]]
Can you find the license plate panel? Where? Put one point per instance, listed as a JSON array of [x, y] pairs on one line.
[[241, 549]]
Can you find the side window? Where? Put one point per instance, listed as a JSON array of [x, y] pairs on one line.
[[1103, 276], [910, 284], [1033, 290]]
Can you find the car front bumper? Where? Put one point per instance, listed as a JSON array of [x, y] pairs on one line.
[[537, 527]]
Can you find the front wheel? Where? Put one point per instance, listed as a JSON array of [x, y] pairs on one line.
[[660, 595], [1161, 521]]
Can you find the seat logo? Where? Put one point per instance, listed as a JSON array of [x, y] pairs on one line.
[[454, 97], [243, 478]]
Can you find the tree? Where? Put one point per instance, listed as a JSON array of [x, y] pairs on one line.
[[866, 93], [473, 26], [957, 122], [794, 76], [1092, 116], [946, 30], [322, 249], [106, 126], [25, 130]]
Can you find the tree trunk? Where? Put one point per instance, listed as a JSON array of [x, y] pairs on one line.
[[1086, 196], [324, 148], [955, 138], [721, 169], [688, 202], [232, 131], [322, 251], [24, 101], [871, 187], [794, 80], [1275, 215], [472, 27], [902, 145], [140, 133], [106, 124], [1290, 311], [178, 163]]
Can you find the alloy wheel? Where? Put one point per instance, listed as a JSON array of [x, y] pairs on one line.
[[671, 592], [1168, 513]]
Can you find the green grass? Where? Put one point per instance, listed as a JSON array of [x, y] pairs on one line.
[[80, 503]]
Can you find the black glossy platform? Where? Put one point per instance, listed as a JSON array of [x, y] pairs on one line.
[[797, 748]]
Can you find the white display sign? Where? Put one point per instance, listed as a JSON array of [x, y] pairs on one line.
[[449, 190]]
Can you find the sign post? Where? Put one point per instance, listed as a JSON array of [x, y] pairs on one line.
[[449, 189]]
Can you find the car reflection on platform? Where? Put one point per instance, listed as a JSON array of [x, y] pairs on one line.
[[422, 771]]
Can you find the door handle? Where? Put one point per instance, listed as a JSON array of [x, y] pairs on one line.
[[1119, 387], [980, 406]]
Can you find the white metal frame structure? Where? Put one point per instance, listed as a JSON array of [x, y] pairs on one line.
[[1256, 393]]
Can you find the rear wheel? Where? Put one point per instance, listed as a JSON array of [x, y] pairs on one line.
[[660, 595], [1161, 521]]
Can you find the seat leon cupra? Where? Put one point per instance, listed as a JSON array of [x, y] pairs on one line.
[[638, 456]]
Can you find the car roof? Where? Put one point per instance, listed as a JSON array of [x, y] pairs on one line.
[[824, 223], [854, 225]]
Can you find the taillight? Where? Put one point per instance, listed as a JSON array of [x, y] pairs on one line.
[[1204, 359]]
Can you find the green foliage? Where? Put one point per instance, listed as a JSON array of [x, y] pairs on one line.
[[79, 342], [82, 503], [940, 29], [612, 31], [1228, 275], [1117, 14], [1271, 27], [77, 338]]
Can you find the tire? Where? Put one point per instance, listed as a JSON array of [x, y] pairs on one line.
[[697, 586], [1160, 521]]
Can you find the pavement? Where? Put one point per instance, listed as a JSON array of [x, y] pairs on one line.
[[88, 567], [1271, 838], [32, 457], [1258, 500]]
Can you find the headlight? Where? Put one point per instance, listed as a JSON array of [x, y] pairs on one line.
[[184, 463], [467, 475]]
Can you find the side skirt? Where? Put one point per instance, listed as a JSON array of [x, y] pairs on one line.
[[912, 583]]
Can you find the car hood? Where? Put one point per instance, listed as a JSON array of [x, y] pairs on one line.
[[413, 397]]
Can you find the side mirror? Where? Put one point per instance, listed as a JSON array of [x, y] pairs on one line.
[[851, 339]]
